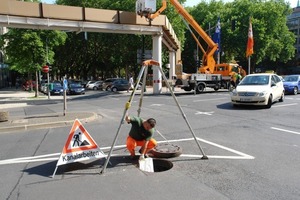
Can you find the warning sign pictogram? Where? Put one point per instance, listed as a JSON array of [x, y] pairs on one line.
[[79, 146]]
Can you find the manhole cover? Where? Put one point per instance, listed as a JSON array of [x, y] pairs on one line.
[[166, 151]]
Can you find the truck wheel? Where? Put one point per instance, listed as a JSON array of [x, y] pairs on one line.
[[217, 87], [200, 87]]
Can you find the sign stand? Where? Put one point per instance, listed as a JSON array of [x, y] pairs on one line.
[[145, 66]]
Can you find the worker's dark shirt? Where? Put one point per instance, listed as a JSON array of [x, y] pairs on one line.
[[137, 131]]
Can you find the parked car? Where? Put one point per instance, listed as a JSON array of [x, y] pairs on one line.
[[119, 85], [28, 84], [41, 87], [258, 89], [44, 88], [106, 85], [97, 85], [56, 88], [89, 82], [75, 88], [291, 84]]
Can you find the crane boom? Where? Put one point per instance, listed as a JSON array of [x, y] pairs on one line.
[[208, 57], [211, 74]]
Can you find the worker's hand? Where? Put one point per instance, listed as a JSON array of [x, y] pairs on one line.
[[127, 105], [142, 157]]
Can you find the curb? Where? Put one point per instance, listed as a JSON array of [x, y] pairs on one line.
[[93, 116]]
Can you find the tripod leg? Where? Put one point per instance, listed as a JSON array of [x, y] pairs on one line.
[[183, 114], [127, 106], [142, 90]]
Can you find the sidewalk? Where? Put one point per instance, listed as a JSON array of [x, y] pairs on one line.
[[25, 111], [24, 115]]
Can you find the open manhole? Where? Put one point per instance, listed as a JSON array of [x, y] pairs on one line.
[[160, 165], [166, 150]]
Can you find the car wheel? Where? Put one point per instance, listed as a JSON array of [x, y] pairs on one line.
[[94, 88], [295, 91], [269, 105], [114, 89], [282, 97]]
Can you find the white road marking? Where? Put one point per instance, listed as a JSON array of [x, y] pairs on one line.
[[204, 113], [55, 156], [284, 105], [209, 99], [284, 130], [157, 105]]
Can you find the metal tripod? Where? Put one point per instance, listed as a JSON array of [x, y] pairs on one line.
[[144, 70]]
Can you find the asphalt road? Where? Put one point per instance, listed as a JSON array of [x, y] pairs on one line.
[[253, 153]]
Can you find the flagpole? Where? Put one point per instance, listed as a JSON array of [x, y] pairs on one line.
[[249, 63], [250, 43]]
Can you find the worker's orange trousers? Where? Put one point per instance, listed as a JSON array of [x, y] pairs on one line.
[[132, 143]]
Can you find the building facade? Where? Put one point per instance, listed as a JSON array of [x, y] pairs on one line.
[[293, 23]]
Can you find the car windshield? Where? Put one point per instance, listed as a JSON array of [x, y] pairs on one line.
[[255, 80], [75, 85], [290, 79]]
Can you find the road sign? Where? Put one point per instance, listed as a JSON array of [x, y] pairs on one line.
[[79, 146], [45, 69], [65, 82]]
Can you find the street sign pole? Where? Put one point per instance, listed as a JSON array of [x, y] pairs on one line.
[[65, 87], [48, 80]]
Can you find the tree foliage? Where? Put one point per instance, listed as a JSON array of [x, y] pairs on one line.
[[102, 55], [28, 50], [273, 42]]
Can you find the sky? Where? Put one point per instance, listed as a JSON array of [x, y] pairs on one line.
[[293, 3]]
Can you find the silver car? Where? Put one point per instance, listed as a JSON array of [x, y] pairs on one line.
[[97, 85], [258, 89]]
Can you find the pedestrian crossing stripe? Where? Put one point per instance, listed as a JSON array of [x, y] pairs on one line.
[[79, 146]]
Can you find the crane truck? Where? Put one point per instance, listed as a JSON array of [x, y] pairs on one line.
[[220, 75]]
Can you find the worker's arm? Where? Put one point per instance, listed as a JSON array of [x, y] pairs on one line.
[[144, 147], [142, 156]]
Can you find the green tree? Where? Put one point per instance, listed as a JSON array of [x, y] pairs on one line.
[[273, 42], [28, 50]]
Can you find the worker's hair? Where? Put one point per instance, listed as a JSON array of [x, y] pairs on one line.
[[152, 122]]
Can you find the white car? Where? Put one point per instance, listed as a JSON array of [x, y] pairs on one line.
[[258, 89]]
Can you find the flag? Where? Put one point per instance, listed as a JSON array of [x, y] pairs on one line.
[[217, 35], [250, 42]]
